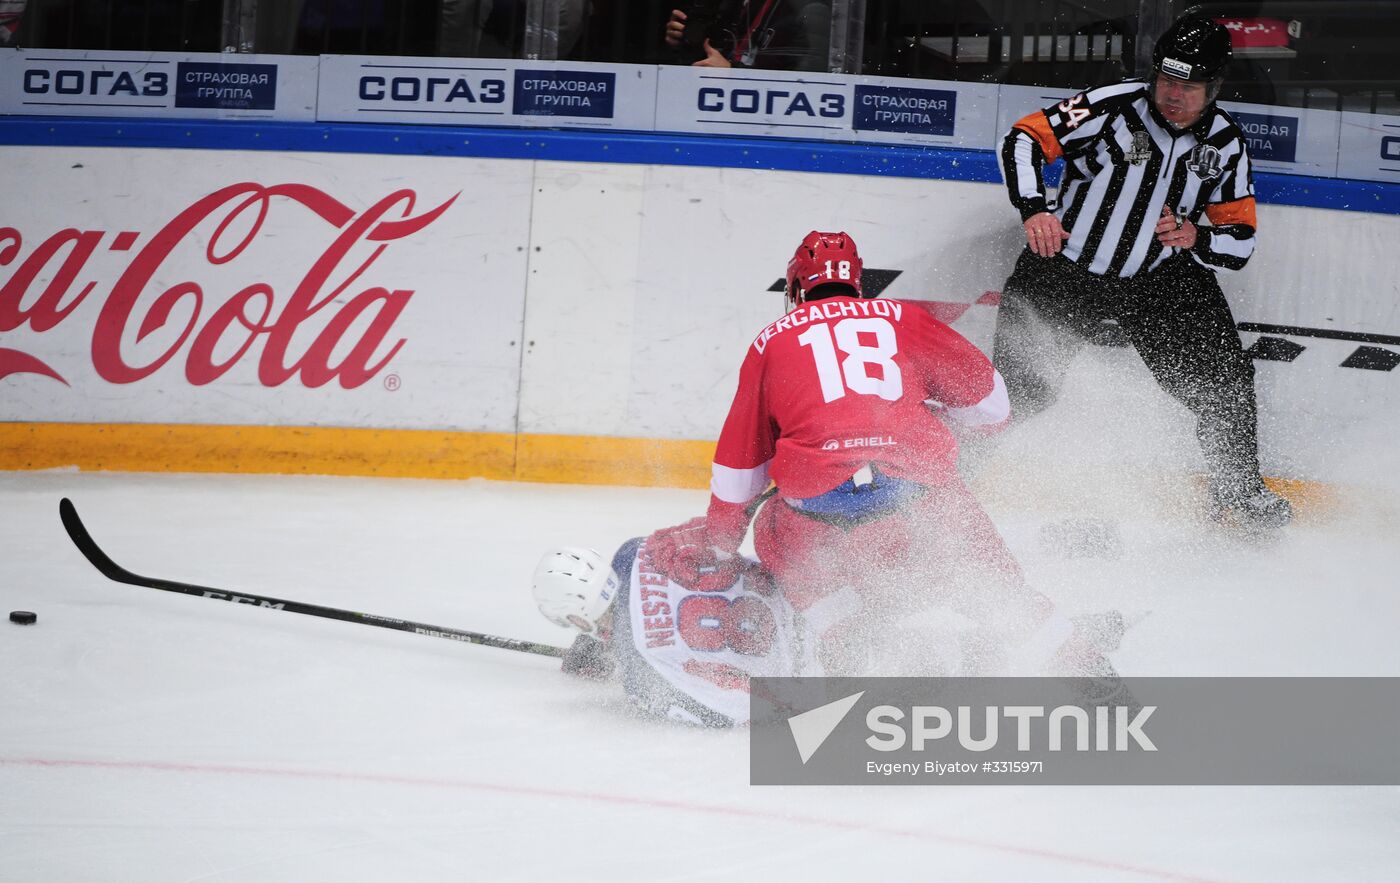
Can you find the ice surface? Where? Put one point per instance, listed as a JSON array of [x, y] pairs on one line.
[[155, 737]]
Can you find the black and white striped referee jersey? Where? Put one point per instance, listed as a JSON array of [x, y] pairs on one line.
[[1123, 163]]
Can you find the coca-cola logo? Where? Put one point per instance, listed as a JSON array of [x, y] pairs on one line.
[[214, 338]]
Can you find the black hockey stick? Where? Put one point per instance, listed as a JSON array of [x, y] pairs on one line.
[[114, 571]]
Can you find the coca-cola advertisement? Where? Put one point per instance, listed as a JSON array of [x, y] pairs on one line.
[[222, 287]]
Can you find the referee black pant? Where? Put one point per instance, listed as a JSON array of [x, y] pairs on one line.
[[1177, 319]]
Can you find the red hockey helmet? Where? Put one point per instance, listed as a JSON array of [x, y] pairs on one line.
[[823, 259]]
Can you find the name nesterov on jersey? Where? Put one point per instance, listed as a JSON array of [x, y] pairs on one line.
[[657, 623]]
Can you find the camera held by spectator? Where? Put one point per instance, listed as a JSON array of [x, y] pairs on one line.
[[770, 34], [695, 22]]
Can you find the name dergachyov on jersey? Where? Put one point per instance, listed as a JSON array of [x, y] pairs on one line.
[[1145, 164]]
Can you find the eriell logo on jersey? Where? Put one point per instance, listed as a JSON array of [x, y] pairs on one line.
[[874, 441]]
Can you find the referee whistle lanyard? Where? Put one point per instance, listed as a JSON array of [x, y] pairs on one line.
[[745, 52]]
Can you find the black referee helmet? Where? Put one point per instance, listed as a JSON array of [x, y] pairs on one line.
[[1194, 48]]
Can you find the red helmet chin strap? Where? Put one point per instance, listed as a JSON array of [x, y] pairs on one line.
[[793, 295]]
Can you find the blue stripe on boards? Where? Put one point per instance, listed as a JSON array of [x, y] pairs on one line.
[[649, 148]]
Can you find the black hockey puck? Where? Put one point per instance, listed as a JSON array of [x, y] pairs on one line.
[[23, 617]]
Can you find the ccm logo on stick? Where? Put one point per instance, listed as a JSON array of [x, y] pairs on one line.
[[242, 599]]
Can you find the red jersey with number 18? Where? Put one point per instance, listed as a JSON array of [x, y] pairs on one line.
[[842, 383]]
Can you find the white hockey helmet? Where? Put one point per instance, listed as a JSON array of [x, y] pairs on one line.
[[574, 588]]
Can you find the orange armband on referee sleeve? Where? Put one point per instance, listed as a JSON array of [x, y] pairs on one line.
[[1038, 127], [1239, 211]]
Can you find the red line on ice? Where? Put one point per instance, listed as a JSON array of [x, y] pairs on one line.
[[615, 799]]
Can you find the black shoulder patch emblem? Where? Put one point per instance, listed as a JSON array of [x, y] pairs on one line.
[[1204, 162]]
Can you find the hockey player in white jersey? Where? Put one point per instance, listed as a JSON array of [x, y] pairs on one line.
[[682, 653]]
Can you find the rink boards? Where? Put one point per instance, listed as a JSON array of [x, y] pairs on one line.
[[454, 316]]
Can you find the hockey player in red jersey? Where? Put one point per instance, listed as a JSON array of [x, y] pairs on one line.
[[845, 404]]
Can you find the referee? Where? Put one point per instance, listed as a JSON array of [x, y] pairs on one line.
[[1144, 161]]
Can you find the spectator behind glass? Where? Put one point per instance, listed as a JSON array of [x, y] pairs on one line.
[[309, 27], [462, 25], [770, 34], [495, 28], [10, 12]]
